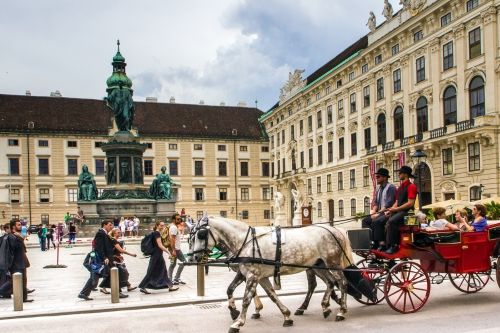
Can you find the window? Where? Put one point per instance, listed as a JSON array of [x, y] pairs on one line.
[[301, 159], [366, 96], [395, 49], [329, 114], [277, 140], [198, 168], [330, 151], [378, 59], [447, 56], [380, 88], [476, 97], [366, 176], [395, 168], [450, 105], [309, 124], [292, 132], [329, 183], [244, 148], [445, 19], [422, 116], [352, 178], [320, 154], [474, 157], [245, 194], [223, 213], [198, 146], [353, 207], [340, 107], [97, 144], [447, 161], [13, 142], [43, 143], [475, 193], [341, 148], [244, 214], [352, 101], [13, 166], [474, 43], [418, 36], [368, 138], [264, 149], [283, 137], [43, 166], [72, 144], [267, 214], [99, 167], [381, 135], [198, 194], [340, 181], [148, 167], [173, 167], [44, 219], [328, 90], [339, 83], [319, 119], [301, 127], [309, 186], [341, 208], [354, 144], [420, 67], [398, 123], [320, 209], [244, 168], [44, 194], [199, 214], [72, 195], [471, 4], [318, 184], [310, 155], [172, 146], [364, 68], [366, 205], [265, 169], [149, 145], [396, 77], [15, 195], [351, 76], [266, 193]]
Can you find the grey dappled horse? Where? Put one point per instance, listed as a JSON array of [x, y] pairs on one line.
[[316, 246]]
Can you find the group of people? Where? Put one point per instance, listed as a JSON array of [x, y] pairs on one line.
[[129, 226], [109, 250], [390, 206]]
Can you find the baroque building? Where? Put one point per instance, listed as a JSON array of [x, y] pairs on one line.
[[426, 79]]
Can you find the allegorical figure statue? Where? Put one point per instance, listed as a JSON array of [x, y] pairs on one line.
[[297, 200], [120, 101], [111, 170], [388, 11], [372, 22], [161, 188], [279, 202], [138, 177], [87, 189]]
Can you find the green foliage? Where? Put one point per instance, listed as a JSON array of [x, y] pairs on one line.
[[492, 210], [430, 215], [359, 215]]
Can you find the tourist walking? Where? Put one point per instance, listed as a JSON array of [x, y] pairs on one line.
[[135, 231], [42, 236], [72, 233], [50, 236], [157, 275], [175, 243]]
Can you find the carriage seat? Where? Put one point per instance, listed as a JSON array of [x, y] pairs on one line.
[[428, 238]]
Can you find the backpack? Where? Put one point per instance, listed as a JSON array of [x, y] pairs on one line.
[[165, 237], [147, 244], [40, 232]]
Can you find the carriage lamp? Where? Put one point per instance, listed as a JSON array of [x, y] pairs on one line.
[[419, 158]]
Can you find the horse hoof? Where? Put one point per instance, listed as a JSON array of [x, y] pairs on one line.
[[256, 316], [233, 330], [299, 312], [326, 313], [339, 318], [288, 323], [234, 313]]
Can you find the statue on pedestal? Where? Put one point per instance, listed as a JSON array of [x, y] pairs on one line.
[[297, 200], [87, 189], [161, 187], [388, 11], [279, 202], [372, 22], [120, 101]]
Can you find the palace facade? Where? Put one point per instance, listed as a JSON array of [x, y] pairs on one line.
[[425, 79]]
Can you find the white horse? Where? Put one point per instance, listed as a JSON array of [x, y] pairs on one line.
[[319, 247]]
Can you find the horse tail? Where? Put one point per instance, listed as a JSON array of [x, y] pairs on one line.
[[347, 258]]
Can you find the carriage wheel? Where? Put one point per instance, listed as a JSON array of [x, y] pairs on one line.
[[407, 287], [377, 275], [469, 282], [498, 272]]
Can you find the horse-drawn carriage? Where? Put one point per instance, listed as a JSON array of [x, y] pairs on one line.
[[404, 278]]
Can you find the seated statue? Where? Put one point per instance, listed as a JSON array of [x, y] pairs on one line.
[[87, 189], [161, 187]]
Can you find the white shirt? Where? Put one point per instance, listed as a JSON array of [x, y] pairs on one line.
[[439, 224], [175, 232]]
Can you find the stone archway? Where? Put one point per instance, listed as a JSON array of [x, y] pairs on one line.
[[424, 179]]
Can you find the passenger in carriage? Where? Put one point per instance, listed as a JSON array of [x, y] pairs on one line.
[[383, 198], [405, 199], [480, 223], [461, 220], [441, 223]]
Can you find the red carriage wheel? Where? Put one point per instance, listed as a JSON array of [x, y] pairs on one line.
[[469, 282], [407, 287], [374, 272]]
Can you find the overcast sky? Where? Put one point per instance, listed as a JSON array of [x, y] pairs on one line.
[[211, 50]]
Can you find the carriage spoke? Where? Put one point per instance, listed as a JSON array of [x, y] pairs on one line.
[[411, 300], [421, 300]]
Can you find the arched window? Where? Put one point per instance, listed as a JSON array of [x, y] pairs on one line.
[[422, 115], [366, 205], [353, 207], [476, 97], [450, 105], [398, 124], [381, 135], [320, 209], [341, 207]]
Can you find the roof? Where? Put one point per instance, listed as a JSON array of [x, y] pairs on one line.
[[89, 116]]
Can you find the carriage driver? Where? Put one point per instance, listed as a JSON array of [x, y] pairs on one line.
[[405, 199], [383, 198]]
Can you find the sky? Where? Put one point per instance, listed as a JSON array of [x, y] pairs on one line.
[[217, 51]]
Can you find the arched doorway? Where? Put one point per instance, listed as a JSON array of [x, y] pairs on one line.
[[331, 210], [424, 179]]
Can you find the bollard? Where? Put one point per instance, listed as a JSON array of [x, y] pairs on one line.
[[115, 285], [17, 290], [200, 283]]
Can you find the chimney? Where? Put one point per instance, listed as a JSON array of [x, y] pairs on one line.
[[222, 103], [151, 99], [172, 100], [56, 93], [202, 102], [28, 93], [242, 104]]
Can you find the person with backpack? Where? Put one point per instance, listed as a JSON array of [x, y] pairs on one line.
[[42, 236], [50, 236], [156, 275]]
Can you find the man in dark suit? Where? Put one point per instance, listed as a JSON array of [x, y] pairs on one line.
[[20, 260], [104, 248]]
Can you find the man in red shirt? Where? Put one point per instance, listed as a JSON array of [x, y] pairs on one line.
[[405, 199]]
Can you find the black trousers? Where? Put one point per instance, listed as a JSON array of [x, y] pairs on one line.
[[91, 284], [376, 225], [6, 288], [393, 224]]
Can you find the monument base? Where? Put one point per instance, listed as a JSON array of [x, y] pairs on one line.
[[280, 220], [142, 208], [297, 218]]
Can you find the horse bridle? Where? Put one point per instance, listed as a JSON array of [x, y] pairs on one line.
[[202, 232]]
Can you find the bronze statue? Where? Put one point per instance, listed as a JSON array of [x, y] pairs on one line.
[[120, 101], [87, 189], [125, 170], [161, 188], [138, 178], [111, 170]]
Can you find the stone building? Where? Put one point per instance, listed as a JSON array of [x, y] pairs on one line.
[[426, 79]]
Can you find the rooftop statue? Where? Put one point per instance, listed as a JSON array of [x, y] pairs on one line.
[[87, 189], [294, 80], [388, 11], [372, 22], [161, 187]]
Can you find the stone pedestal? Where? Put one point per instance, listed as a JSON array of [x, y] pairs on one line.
[[280, 219], [297, 218], [142, 208]]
